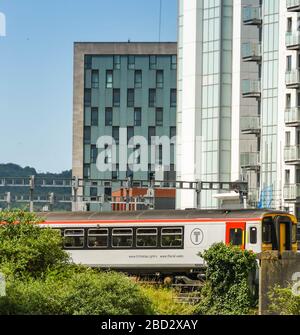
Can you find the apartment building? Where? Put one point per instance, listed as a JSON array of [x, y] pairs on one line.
[[121, 90], [238, 99]]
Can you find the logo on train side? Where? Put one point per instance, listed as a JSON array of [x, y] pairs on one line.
[[197, 236]]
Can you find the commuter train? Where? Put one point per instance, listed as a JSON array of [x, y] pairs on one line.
[[168, 242]]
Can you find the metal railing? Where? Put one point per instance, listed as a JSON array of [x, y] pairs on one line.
[[293, 5], [251, 51], [252, 15], [292, 78], [250, 160], [292, 39], [250, 124], [251, 88], [291, 192], [292, 116], [292, 154]]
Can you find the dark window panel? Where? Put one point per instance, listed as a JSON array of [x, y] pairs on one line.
[[116, 97]]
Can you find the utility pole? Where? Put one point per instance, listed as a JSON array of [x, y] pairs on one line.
[[8, 200], [198, 194], [128, 187], [31, 186], [75, 185], [51, 201]]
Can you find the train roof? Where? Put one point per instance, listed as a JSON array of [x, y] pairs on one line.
[[157, 215]]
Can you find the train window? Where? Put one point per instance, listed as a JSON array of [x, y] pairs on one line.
[[122, 238], [267, 230], [253, 235], [294, 233], [236, 236], [74, 238], [97, 238], [146, 238], [172, 237]]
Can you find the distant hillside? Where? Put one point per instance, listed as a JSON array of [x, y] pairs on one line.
[[14, 170]]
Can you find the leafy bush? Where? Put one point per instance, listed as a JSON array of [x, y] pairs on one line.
[[284, 302], [25, 248], [228, 289], [77, 291], [164, 301]]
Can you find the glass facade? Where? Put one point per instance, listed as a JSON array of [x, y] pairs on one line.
[[269, 113], [216, 94]]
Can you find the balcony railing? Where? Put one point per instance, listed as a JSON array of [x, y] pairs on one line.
[[291, 192], [250, 124], [293, 5], [292, 117], [292, 154], [292, 40], [252, 15], [251, 52], [250, 160], [251, 88], [292, 79]]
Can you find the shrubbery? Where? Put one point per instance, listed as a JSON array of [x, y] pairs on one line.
[[76, 292], [42, 281], [284, 302], [164, 301], [228, 288], [26, 250]]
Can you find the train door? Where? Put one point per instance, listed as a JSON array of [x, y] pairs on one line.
[[283, 227], [235, 234]]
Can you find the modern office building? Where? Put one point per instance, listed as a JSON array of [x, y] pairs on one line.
[[238, 99], [122, 90]]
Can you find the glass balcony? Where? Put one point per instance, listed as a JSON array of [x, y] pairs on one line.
[[291, 192], [293, 5], [292, 40], [250, 161], [251, 52], [250, 125], [292, 79], [251, 88], [292, 155], [252, 16], [292, 117]]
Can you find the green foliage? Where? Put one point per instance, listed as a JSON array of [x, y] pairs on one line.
[[25, 248], [164, 301], [77, 291], [227, 290], [284, 302], [41, 280]]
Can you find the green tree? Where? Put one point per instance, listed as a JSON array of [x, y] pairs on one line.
[[228, 288], [25, 248], [41, 280]]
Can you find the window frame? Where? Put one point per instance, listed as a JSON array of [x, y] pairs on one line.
[[114, 235], [94, 235], [172, 234], [251, 230], [109, 83], [146, 234], [81, 236]]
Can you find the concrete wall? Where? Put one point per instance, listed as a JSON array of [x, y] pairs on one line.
[[275, 270]]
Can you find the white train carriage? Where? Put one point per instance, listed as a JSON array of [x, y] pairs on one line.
[[168, 242]]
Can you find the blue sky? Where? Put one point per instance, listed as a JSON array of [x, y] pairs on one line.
[[36, 67]]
